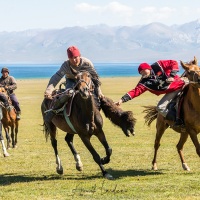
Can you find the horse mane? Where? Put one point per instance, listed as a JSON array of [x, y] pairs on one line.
[[151, 114], [115, 114], [3, 91]]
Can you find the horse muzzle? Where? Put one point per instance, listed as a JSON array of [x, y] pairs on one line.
[[84, 92]]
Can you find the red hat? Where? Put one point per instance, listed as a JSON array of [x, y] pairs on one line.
[[144, 66], [73, 52]]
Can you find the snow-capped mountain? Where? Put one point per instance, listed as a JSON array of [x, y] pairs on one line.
[[102, 43]]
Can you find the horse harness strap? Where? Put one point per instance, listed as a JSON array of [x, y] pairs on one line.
[[68, 121], [56, 111]]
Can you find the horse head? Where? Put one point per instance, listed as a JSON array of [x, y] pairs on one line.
[[84, 84], [192, 72], [2, 89]]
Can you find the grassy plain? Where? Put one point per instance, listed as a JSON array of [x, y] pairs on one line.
[[29, 172]]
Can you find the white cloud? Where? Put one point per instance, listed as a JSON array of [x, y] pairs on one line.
[[85, 7], [113, 7], [118, 8]]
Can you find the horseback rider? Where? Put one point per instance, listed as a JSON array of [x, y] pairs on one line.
[[10, 84], [4, 103], [159, 78], [70, 69]]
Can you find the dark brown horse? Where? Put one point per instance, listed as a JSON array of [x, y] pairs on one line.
[[85, 120], [9, 121], [191, 113]]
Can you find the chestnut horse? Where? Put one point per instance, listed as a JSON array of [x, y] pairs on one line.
[[85, 120], [190, 110], [9, 121]]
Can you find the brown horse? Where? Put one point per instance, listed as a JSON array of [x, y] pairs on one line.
[[85, 120], [190, 110], [9, 121]]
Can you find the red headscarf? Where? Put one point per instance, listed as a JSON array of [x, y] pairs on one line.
[[144, 66], [73, 52]]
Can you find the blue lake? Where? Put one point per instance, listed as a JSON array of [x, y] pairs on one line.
[[41, 71]]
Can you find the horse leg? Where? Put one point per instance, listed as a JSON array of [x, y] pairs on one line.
[[193, 136], [69, 139], [16, 132], [13, 136], [102, 139], [8, 137], [59, 168], [96, 157], [160, 127], [5, 153], [179, 146]]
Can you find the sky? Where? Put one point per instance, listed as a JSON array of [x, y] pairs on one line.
[[19, 15]]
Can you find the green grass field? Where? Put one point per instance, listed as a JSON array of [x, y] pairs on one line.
[[30, 171]]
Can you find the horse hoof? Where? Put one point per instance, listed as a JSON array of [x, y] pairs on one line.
[[79, 168], [59, 171], [154, 167], [185, 167], [6, 154], [108, 176]]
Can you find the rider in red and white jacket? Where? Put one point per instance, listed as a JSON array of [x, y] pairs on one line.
[[158, 78]]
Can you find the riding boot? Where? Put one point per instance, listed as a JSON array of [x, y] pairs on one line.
[[18, 115], [178, 123], [171, 116]]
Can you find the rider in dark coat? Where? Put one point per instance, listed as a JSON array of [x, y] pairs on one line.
[[10, 84]]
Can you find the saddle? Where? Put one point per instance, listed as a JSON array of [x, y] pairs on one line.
[[63, 99]]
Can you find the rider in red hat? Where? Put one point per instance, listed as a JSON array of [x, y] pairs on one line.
[[158, 78], [69, 69]]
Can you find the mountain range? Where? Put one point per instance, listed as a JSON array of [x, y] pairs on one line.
[[102, 43]]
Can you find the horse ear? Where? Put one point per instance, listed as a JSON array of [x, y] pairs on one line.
[[195, 62], [184, 66]]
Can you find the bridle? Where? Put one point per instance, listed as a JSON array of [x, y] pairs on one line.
[[80, 79], [194, 75]]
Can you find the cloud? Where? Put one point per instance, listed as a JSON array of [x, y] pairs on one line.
[[113, 7], [85, 7], [118, 8]]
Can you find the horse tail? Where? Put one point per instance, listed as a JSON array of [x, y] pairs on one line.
[[151, 114], [45, 129], [123, 119]]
